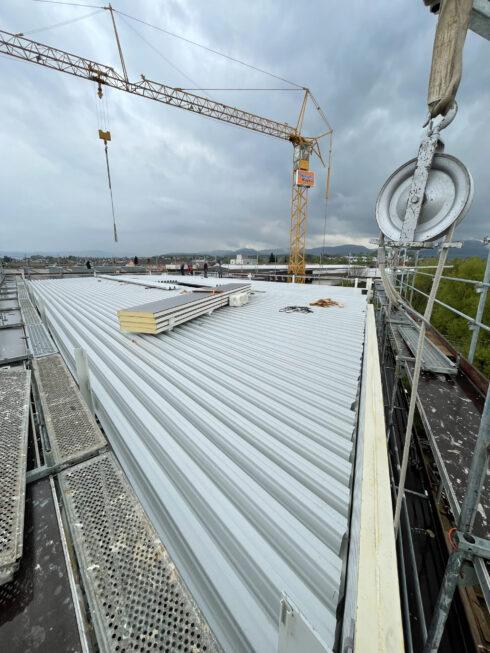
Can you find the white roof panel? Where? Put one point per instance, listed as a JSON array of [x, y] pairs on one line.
[[236, 432]]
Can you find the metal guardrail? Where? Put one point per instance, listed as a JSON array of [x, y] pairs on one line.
[[475, 323], [468, 546]]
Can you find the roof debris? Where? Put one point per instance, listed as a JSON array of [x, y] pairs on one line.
[[325, 303]]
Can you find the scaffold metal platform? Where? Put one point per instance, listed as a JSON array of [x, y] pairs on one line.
[[433, 360], [72, 430], [39, 341], [136, 597], [15, 386]]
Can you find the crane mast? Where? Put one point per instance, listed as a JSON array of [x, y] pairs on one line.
[[16, 45]]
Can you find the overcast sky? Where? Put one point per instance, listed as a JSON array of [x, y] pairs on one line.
[[183, 182]]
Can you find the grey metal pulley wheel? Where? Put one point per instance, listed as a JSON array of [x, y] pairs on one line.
[[447, 198]]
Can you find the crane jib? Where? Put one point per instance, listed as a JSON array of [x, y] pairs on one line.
[[16, 45]]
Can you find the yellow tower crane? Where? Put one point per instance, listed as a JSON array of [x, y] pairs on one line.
[[16, 45]]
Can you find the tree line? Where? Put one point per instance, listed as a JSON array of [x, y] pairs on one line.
[[464, 298]]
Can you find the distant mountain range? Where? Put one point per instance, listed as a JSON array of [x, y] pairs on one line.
[[92, 253], [470, 248], [338, 250], [342, 250]]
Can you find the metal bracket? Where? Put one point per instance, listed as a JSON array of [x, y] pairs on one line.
[[11, 326], [44, 470], [472, 545], [296, 635], [38, 473], [468, 577], [455, 244], [425, 156], [405, 359], [420, 177], [415, 244]]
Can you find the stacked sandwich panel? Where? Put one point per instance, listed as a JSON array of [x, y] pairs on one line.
[[159, 316]]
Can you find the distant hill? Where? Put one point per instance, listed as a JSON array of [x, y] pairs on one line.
[[92, 253], [470, 248], [342, 250], [337, 250]]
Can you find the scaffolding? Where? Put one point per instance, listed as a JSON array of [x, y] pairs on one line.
[[467, 562], [406, 280]]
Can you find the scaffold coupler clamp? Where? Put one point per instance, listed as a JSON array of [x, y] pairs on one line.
[[472, 546]]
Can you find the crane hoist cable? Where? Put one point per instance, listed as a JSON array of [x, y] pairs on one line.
[[327, 194], [105, 135]]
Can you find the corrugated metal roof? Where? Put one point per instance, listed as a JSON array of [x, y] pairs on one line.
[[236, 432], [157, 281]]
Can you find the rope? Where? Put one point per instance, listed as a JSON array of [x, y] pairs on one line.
[[62, 24], [447, 55], [110, 190], [102, 112], [106, 108]]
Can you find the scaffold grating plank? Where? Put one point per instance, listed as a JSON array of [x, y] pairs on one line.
[[39, 341], [433, 360], [15, 384], [29, 313], [72, 429], [22, 292], [137, 599]]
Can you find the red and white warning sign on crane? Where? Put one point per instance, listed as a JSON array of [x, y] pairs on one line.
[[304, 178]]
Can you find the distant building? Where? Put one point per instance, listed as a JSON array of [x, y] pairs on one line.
[[243, 260]]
